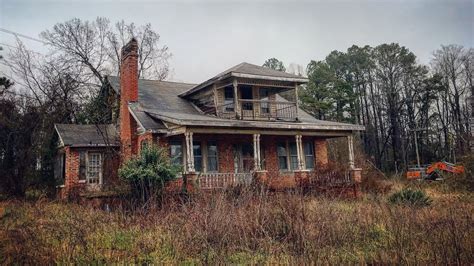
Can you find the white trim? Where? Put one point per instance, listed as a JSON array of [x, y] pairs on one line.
[[252, 76], [136, 119], [59, 135]]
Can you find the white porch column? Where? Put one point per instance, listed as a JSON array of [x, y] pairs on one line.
[[350, 143], [236, 98], [299, 152], [189, 152], [256, 152]]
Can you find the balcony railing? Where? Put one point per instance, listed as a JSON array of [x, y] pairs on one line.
[[259, 110], [223, 180], [330, 178]]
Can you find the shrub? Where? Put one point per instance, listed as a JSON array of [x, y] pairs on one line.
[[410, 197], [148, 172]]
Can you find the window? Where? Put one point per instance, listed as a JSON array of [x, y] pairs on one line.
[[229, 99], [94, 168], [176, 153], [246, 93], [211, 156], [82, 165], [264, 96], [144, 144], [293, 156], [309, 155], [197, 156], [282, 156], [288, 154]]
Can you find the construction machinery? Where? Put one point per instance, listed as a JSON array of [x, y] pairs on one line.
[[434, 171]]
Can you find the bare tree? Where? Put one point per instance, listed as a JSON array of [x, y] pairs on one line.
[[96, 46]]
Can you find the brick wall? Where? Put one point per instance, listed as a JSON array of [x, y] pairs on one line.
[[321, 153], [145, 137], [72, 184], [71, 173]]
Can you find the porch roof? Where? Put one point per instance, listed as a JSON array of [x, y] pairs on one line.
[[246, 70], [87, 135]]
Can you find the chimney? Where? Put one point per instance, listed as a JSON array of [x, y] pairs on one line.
[[128, 93]]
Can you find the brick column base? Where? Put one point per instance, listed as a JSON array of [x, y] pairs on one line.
[[356, 176], [302, 178], [190, 183], [261, 177]]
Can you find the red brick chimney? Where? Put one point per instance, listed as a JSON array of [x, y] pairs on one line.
[[128, 93]]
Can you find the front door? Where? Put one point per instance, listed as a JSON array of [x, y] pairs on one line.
[[243, 158]]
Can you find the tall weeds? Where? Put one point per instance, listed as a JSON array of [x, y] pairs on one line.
[[244, 227]]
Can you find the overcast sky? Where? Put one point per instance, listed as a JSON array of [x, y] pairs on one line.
[[208, 37]]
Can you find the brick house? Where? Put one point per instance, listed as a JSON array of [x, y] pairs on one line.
[[233, 128]]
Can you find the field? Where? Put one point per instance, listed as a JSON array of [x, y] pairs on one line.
[[247, 227]]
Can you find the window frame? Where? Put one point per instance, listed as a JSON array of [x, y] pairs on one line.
[[311, 155], [99, 166], [181, 149], [198, 157], [293, 165], [285, 156], [229, 102], [263, 93], [207, 157]]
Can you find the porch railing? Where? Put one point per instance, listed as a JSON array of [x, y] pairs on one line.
[[224, 180], [259, 110], [330, 178]]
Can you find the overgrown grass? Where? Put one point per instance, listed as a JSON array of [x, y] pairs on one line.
[[254, 227]]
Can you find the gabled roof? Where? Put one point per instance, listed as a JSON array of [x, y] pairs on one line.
[[158, 102], [246, 70], [87, 135]]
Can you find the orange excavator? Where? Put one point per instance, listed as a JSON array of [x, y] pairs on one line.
[[434, 171]]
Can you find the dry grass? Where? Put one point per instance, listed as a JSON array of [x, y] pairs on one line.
[[254, 227]]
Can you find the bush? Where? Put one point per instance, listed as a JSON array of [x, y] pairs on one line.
[[410, 197], [148, 173]]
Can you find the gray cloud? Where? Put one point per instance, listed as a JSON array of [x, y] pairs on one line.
[[207, 37]]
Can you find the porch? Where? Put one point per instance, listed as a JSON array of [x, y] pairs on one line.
[[219, 161]]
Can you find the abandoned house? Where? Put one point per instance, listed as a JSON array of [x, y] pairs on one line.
[[231, 129]]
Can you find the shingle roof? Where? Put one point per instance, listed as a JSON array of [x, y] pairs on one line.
[[250, 71], [87, 135], [159, 101]]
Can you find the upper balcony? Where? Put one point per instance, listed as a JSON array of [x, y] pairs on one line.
[[248, 92]]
